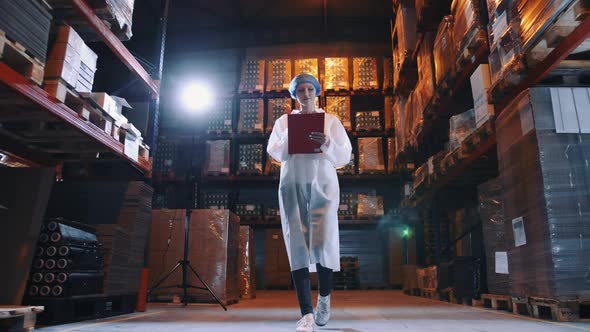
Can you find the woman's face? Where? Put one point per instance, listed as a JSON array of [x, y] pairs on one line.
[[306, 94]]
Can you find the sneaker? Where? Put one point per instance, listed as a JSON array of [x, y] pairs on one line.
[[322, 310], [305, 324]]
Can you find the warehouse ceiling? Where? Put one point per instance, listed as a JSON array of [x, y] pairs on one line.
[[212, 24]]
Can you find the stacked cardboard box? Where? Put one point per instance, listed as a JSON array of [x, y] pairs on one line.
[[480, 87], [336, 72], [404, 38], [250, 159], [348, 205], [461, 126], [340, 107], [469, 30], [370, 205], [368, 120], [216, 200], [371, 155], [251, 115], [213, 252], [494, 236], [252, 79], [217, 162], [276, 108], [444, 53], [221, 121], [542, 152], [364, 73], [309, 66], [278, 75]]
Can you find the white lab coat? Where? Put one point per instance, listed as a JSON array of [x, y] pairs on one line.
[[309, 195]]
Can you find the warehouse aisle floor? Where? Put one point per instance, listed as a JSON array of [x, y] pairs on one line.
[[353, 311]]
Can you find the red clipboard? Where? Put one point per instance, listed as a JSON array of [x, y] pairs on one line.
[[300, 126]]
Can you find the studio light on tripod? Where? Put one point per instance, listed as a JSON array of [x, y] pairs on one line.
[[197, 97]]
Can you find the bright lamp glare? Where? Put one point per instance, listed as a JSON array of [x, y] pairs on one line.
[[197, 97]]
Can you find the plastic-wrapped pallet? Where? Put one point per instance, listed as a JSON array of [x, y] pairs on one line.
[[399, 124], [468, 28], [336, 72], [425, 63], [276, 108], [215, 258], [368, 120], [309, 66], [543, 145], [249, 210], [505, 57], [348, 205], [387, 73], [250, 159], [364, 73], [165, 156], [251, 115], [278, 75], [348, 168], [461, 126], [389, 119], [252, 79], [370, 205], [371, 155], [221, 121], [444, 52], [247, 268], [494, 236], [340, 107], [404, 38], [217, 162], [480, 86]]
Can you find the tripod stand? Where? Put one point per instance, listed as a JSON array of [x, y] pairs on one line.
[[185, 264]]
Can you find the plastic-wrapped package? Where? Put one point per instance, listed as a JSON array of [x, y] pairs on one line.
[[244, 210], [494, 236], [215, 257], [505, 57], [534, 16], [495, 6], [252, 79], [247, 267], [368, 120], [250, 159], [399, 123], [364, 73], [251, 115], [348, 205], [444, 52], [340, 107], [546, 201], [370, 205], [425, 63], [390, 155], [217, 162], [468, 25], [279, 75], [387, 73], [276, 108], [408, 118], [309, 66], [404, 39], [221, 121], [371, 155], [461, 126], [336, 72], [348, 168]]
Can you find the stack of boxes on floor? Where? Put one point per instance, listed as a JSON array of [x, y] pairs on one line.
[[214, 254], [544, 176]]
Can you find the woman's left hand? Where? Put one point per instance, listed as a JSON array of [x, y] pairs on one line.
[[319, 137]]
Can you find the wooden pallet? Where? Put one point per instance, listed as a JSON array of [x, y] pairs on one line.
[[429, 293], [15, 55], [18, 318], [521, 306], [561, 311], [497, 302]]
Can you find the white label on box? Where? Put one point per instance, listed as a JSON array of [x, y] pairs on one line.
[[227, 122], [131, 148], [224, 170], [502, 262], [250, 207], [518, 230], [343, 207]]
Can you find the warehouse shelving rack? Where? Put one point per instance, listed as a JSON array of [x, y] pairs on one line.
[[35, 105]]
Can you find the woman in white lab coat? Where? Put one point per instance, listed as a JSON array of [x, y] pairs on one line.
[[309, 196]]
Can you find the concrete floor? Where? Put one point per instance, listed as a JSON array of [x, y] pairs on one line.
[[352, 311]]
